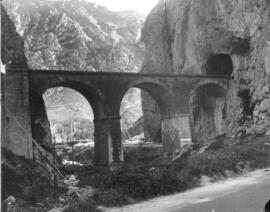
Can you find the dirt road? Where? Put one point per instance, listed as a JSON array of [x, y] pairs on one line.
[[242, 194]]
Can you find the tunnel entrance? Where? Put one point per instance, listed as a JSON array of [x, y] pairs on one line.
[[219, 64], [208, 111], [71, 123]]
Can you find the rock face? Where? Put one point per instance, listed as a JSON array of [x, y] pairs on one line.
[[223, 38], [12, 43], [131, 110], [15, 118], [78, 35]]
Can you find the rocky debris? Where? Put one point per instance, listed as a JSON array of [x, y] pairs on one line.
[[81, 155], [9, 204], [56, 209], [83, 193], [138, 139], [215, 143], [34, 189], [87, 192], [187, 37], [12, 204], [34, 182], [83, 152]]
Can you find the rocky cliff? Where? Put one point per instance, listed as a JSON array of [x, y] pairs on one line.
[[215, 37], [13, 89], [12, 50], [78, 35]]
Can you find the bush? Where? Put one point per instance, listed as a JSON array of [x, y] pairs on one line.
[[232, 158], [145, 180], [135, 184], [24, 179], [110, 197], [82, 206], [141, 154]]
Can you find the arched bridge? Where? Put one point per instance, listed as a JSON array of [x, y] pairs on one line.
[[104, 91]]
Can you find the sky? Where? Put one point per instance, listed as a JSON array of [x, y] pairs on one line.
[[142, 6]]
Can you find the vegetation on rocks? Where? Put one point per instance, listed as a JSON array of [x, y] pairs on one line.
[[82, 206], [32, 182], [137, 179], [27, 185], [135, 182]]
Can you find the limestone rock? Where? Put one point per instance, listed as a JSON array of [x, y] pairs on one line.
[[12, 51], [12, 43], [9, 204], [87, 192], [78, 35], [224, 37]]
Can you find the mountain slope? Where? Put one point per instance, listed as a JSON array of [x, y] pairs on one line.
[[78, 35]]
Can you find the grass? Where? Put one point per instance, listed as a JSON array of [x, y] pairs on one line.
[[139, 182], [82, 206]]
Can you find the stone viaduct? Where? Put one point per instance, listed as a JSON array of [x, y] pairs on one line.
[[23, 89]]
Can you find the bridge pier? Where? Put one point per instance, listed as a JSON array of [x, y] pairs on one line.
[[16, 130], [108, 146], [175, 132]]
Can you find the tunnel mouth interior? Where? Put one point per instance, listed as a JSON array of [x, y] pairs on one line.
[[219, 64], [208, 111]]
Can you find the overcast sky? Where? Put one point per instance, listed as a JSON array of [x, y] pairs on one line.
[[142, 6]]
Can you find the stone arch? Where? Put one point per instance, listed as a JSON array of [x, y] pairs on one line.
[[154, 88], [93, 95], [39, 120], [154, 106], [202, 82], [67, 124], [208, 109]]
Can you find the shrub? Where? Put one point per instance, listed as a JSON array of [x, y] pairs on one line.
[[141, 154], [145, 180], [135, 184], [82, 206], [110, 197], [213, 163]]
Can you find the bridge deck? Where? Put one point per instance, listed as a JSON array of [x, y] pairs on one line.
[[32, 71]]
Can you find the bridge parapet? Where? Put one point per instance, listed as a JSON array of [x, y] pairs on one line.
[[12, 67]]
